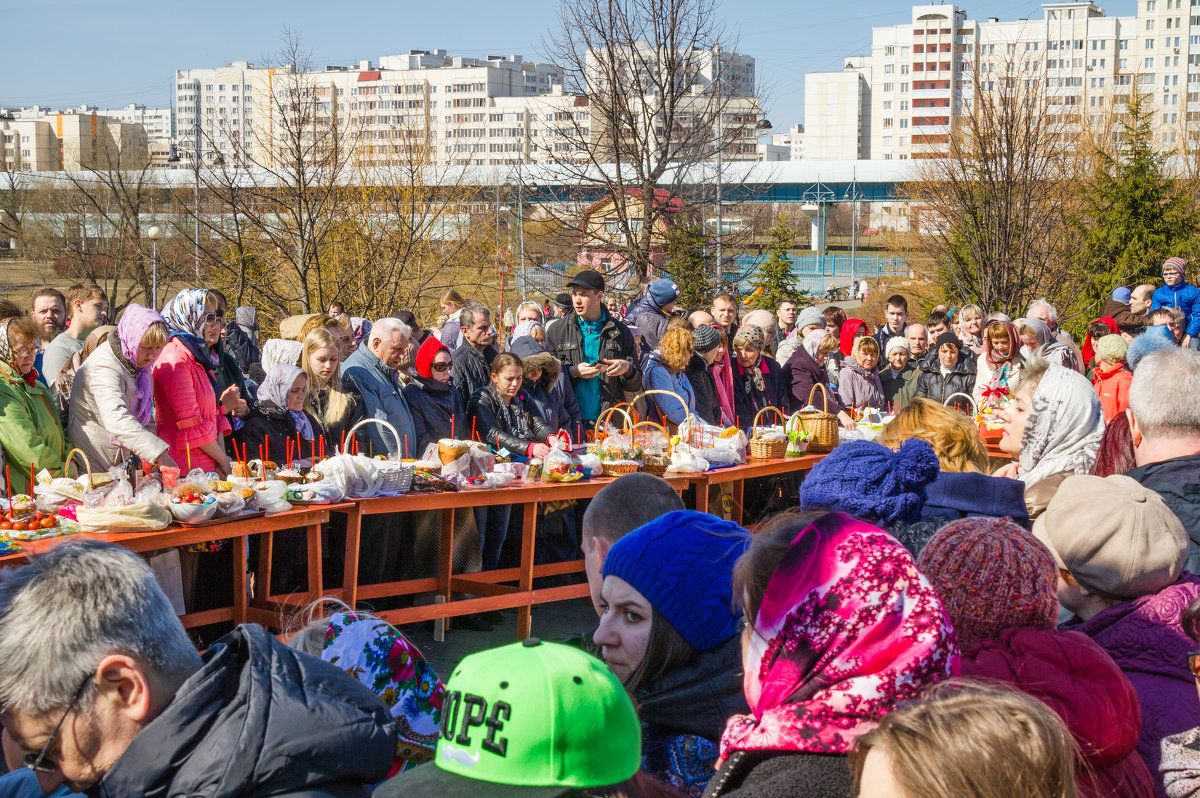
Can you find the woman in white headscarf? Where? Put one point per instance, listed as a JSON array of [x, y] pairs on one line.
[[1053, 428], [1038, 340], [278, 423]]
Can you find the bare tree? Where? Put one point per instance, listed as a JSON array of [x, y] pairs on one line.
[[660, 90], [994, 212]]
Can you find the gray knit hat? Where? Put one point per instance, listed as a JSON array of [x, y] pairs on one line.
[[809, 317], [705, 338]]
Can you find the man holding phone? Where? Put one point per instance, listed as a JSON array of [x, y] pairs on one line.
[[596, 349]]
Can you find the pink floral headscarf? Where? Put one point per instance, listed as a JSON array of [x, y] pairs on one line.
[[847, 629]]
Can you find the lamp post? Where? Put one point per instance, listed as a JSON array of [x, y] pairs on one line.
[[154, 233], [174, 158]]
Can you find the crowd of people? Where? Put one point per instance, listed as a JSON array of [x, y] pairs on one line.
[[917, 622]]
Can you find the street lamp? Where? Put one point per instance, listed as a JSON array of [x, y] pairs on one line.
[[154, 233], [174, 158]]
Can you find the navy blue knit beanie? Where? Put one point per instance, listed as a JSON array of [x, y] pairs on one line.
[[682, 563], [870, 481]]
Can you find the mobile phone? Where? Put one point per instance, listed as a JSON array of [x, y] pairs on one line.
[[600, 362]]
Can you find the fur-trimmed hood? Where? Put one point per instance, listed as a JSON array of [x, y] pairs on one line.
[[549, 365]]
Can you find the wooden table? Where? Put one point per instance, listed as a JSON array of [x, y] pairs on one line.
[[736, 476], [311, 518]]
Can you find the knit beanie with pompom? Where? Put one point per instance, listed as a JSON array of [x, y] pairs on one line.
[[871, 481]]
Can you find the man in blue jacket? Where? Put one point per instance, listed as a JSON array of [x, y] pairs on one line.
[[1177, 293]]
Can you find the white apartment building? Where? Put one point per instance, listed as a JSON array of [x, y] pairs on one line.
[[837, 115], [921, 75], [792, 140]]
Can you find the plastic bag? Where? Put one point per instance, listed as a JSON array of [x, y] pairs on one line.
[[55, 494], [591, 465], [320, 492], [229, 504], [354, 476], [269, 496], [557, 465], [149, 516], [477, 462], [120, 493], [687, 462]]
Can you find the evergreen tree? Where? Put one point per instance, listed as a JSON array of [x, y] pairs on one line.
[[686, 264], [1134, 216], [773, 279]]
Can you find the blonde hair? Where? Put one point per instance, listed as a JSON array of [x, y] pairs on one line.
[[676, 349], [970, 312], [864, 346], [974, 740], [339, 400], [829, 344], [156, 335], [953, 436]]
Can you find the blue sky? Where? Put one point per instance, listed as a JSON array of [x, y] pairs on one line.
[[115, 52]]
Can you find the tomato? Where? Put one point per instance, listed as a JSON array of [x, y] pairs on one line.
[[20, 526], [5, 524]]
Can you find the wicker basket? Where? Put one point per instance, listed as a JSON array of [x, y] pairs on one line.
[[93, 480], [654, 464], [667, 425], [397, 477], [760, 449], [619, 469], [598, 434], [969, 398], [822, 424]]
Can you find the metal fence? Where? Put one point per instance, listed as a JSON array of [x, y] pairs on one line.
[[818, 273]]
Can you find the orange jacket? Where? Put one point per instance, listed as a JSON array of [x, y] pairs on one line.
[[1112, 383]]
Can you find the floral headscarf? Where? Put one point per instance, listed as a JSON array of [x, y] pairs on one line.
[[132, 327], [812, 341], [275, 388], [376, 654], [1064, 426], [7, 356], [848, 628], [185, 313]]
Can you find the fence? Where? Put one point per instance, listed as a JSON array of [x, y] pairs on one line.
[[816, 274]]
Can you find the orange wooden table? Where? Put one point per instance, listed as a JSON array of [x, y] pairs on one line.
[[736, 476]]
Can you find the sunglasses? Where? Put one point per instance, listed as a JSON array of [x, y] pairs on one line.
[[38, 762], [1193, 663], [213, 318], [440, 367]]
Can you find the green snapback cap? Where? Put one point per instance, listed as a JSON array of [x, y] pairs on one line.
[[528, 719]]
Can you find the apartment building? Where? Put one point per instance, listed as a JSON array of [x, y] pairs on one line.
[[837, 114], [35, 139], [921, 76], [792, 141]]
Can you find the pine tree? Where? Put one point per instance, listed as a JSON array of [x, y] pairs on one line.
[[1134, 216], [687, 265], [773, 279]]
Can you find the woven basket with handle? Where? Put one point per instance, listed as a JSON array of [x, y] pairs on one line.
[[760, 449], [652, 463], [821, 423], [397, 477], [667, 425]]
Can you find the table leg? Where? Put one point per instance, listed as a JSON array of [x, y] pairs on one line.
[[350, 569], [525, 581], [738, 490], [262, 579], [316, 582], [239, 579], [445, 569]]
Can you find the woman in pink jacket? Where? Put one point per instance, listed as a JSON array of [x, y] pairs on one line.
[[186, 412]]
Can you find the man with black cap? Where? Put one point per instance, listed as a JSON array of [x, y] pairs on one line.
[[596, 350], [562, 306]]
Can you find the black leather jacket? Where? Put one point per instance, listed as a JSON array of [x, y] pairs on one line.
[[501, 426], [564, 340]]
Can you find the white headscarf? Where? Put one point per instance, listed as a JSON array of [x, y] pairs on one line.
[[275, 388], [1064, 426], [278, 350]]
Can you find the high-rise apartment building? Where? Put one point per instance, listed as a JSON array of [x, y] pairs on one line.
[[37, 140]]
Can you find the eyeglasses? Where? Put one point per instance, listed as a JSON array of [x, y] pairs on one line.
[[1193, 663], [213, 318], [38, 762], [440, 367], [21, 354]]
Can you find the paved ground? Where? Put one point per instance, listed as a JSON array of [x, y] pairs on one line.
[[556, 621]]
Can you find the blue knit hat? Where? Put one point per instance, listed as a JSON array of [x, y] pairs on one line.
[[870, 481], [1154, 338], [1122, 295], [682, 562], [663, 291]]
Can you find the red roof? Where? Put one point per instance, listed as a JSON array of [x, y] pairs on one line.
[[662, 197], [368, 75]]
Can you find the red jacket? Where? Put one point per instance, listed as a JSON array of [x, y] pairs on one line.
[[1078, 680], [1112, 383], [185, 407]]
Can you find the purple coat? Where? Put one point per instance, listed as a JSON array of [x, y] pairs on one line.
[[1145, 639]]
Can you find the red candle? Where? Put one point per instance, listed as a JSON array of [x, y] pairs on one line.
[[8, 485], [32, 481], [452, 426], [343, 449], [473, 437], [266, 447], [322, 448]]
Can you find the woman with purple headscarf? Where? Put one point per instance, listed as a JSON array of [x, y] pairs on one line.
[[112, 396]]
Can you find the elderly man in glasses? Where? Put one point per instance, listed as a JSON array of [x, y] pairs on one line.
[[102, 691]]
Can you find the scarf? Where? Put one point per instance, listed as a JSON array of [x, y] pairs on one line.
[[278, 350], [722, 372], [756, 374], [383, 661], [522, 329], [1064, 426], [275, 388], [1051, 348], [185, 312], [1180, 766], [812, 342], [846, 336], [134, 323], [9, 359], [848, 629], [511, 417], [1014, 345], [1088, 352]]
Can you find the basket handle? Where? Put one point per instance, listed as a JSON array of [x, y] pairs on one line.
[[824, 395], [754, 424], [631, 414], [651, 425], [600, 422], [968, 397], [382, 423], [661, 392], [67, 461]]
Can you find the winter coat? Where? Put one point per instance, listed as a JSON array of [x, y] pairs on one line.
[[961, 379], [800, 374], [898, 391], [241, 347], [510, 427], [747, 400], [268, 428], [185, 406], [235, 728], [551, 397], [883, 334], [1184, 296], [30, 431], [683, 714], [956, 495], [771, 774], [651, 323], [333, 432], [470, 369], [859, 387], [1127, 321], [660, 378], [1082, 684], [1178, 481], [450, 332], [432, 404], [704, 389], [1144, 638], [1112, 383], [378, 390], [103, 395], [565, 342]]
